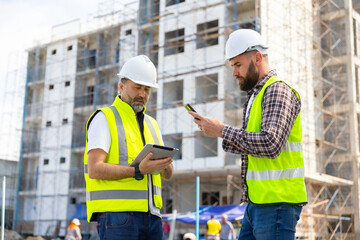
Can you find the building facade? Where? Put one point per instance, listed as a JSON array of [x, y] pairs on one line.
[[313, 46]]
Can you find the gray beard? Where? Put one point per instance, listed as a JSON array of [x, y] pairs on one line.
[[137, 107]]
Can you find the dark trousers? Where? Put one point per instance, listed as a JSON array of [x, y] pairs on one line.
[[270, 222], [129, 226]]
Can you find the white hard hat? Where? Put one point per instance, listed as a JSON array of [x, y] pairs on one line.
[[244, 40], [190, 236], [76, 221], [140, 70]]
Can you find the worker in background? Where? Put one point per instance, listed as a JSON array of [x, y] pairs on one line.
[[125, 200], [213, 228], [166, 229], [73, 232], [269, 141], [227, 231]]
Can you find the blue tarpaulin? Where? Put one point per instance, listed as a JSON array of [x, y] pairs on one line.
[[80, 211], [234, 212]]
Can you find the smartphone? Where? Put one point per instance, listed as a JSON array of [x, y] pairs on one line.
[[190, 108]]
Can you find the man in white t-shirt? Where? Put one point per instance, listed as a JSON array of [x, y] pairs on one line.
[[125, 200]]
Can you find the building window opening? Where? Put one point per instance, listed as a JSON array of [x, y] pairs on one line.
[[173, 2], [62, 160], [205, 146], [174, 42], [210, 198], [207, 34], [174, 93], [128, 32], [46, 161], [174, 140], [90, 95], [151, 107], [206, 88], [168, 206]]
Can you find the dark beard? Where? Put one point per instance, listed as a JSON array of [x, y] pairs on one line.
[[251, 78]]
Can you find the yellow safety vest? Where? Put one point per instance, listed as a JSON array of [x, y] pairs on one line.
[[127, 194], [279, 180]]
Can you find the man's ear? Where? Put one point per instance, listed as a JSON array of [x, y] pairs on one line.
[[121, 86], [258, 58]]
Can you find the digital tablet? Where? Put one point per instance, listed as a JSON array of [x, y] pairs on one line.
[[157, 150]]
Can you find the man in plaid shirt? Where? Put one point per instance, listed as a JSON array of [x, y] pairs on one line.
[[270, 142]]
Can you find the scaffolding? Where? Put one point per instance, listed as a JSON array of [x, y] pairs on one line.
[[335, 97], [67, 79], [316, 51]]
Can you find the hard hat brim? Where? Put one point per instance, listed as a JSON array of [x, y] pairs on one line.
[[140, 82], [262, 49]]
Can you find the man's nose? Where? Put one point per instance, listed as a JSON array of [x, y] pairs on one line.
[[235, 73], [142, 93]]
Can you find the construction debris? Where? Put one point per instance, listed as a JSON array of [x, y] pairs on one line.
[[12, 235], [35, 238]]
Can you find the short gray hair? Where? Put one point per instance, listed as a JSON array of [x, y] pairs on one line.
[[123, 80]]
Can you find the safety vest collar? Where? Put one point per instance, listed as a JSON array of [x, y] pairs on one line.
[[118, 102]]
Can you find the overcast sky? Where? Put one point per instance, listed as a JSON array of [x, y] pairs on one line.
[[22, 24]]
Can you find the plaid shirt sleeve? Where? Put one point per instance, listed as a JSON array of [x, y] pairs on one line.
[[280, 109]]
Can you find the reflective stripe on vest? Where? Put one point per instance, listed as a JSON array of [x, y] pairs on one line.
[[123, 156], [117, 194], [275, 174], [157, 190], [292, 147], [152, 129]]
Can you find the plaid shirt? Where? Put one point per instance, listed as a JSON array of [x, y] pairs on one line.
[[280, 109]]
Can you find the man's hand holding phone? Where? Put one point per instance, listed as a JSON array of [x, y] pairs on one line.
[[191, 109], [211, 127]]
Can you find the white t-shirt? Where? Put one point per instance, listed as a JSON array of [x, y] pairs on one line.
[[99, 133], [99, 137]]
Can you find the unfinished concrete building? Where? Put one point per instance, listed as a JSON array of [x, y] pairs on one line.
[[314, 45], [8, 177]]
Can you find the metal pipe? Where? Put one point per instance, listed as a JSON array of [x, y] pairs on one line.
[[3, 209], [235, 13], [172, 228], [197, 205]]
